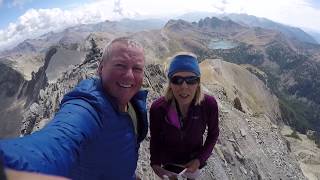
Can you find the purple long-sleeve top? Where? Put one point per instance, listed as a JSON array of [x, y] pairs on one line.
[[171, 143]]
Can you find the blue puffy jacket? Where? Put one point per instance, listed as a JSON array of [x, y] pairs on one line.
[[87, 139]]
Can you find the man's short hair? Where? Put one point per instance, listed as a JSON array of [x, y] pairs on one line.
[[130, 42]]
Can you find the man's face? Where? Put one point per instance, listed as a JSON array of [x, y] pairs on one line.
[[122, 74]]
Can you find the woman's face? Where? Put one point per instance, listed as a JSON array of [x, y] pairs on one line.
[[185, 92]]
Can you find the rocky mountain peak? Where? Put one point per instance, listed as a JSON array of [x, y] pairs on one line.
[[25, 46], [216, 23], [178, 25]]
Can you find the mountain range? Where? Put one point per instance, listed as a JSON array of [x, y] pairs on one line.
[[253, 21], [273, 74]]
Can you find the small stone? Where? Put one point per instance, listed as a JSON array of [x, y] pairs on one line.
[[239, 156], [42, 94], [243, 132], [34, 108], [243, 170], [231, 140]]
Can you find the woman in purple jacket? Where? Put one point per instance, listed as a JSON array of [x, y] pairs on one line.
[[179, 119]]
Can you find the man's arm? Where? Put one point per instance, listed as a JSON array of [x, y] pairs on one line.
[[54, 149]]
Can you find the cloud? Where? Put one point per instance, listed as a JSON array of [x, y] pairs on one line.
[[117, 7], [220, 6], [35, 22], [301, 13], [38, 21]]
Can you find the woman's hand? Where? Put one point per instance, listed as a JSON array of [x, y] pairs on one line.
[[192, 165], [162, 172]]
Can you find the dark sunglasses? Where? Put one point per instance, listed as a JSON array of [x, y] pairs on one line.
[[178, 80]]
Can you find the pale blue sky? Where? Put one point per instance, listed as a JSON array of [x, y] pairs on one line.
[[21, 19]]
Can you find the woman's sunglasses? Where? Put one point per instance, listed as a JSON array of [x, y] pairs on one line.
[[178, 80]]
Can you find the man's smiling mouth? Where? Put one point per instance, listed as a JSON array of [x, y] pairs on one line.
[[125, 85]]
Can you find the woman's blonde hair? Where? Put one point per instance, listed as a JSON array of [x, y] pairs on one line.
[[199, 95]]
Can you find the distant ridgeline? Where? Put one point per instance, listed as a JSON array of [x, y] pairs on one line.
[[294, 78], [291, 67]]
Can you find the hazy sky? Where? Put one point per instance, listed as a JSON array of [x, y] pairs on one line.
[[21, 19]]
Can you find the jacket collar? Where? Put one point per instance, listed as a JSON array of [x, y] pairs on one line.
[[140, 96], [140, 105]]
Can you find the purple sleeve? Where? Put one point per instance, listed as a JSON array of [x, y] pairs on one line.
[[213, 129], [155, 140]]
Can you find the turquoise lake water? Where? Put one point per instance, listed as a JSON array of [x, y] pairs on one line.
[[222, 44]]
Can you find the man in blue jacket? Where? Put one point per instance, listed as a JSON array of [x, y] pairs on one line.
[[98, 129]]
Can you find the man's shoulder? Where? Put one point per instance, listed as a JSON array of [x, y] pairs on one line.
[[88, 85], [89, 90], [141, 95]]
